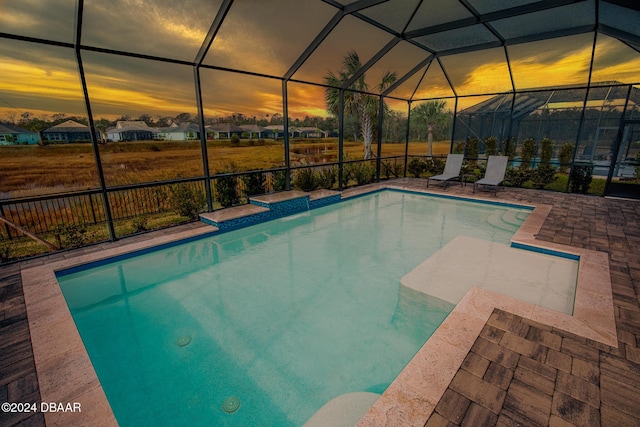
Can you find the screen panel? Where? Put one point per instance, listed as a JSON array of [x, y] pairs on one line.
[[244, 121], [149, 27], [401, 59], [146, 111], [267, 37], [437, 13], [478, 72], [43, 102], [554, 62], [394, 14], [547, 21], [25, 18], [350, 35], [615, 61], [434, 83]]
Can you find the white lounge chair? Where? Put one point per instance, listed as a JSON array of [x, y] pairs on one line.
[[494, 175], [451, 170]]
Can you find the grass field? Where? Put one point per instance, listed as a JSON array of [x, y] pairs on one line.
[[34, 170]]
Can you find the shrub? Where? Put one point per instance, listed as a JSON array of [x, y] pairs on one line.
[[347, 173], [226, 190], [434, 166], [394, 169], [517, 177], [254, 183], [565, 156], [491, 146], [544, 175], [305, 179], [140, 223], [458, 148], [235, 139], [527, 153], [71, 236], [471, 149], [580, 178], [261, 141], [636, 173], [279, 180], [546, 150], [364, 173], [416, 167], [327, 177], [186, 200], [509, 148], [469, 167]]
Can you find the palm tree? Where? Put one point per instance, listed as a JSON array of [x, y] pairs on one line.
[[435, 116], [357, 102]]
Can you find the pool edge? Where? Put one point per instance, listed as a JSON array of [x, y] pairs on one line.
[[66, 374], [414, 394], [63, 367]]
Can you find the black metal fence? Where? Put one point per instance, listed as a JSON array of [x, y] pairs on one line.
[[44, 214], [52, 217], [48, 216]]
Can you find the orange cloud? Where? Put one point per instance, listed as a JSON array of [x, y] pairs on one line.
[[19, 78]]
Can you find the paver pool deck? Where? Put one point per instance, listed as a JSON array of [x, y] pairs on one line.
[[518, 369]]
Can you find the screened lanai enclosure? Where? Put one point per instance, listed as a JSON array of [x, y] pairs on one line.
[[119, 116]]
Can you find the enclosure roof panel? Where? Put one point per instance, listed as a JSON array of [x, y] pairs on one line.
[[466, 47], [558, 19], [247, 40], [394, 14], [532, 100], [152, 28]]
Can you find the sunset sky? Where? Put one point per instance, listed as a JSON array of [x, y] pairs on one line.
[[267, 37]]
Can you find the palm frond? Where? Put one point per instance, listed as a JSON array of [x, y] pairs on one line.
[[388, 79]]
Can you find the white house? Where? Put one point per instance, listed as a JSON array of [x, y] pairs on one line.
[[136, 130], [224, 130], [182, 132]]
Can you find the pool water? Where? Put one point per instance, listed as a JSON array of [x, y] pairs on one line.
[[264, 325]]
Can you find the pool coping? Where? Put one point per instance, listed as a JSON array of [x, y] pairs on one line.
[[66, 375], [413, 395]]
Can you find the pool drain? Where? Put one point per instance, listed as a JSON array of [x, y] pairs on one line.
[[231, 405], [184, 340]]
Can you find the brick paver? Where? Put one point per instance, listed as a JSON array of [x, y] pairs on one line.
[[560, 379]]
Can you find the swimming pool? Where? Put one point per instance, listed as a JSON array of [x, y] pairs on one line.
[[284, 315]]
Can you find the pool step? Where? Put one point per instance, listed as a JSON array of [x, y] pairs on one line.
[[497, 219], [344, 410], [236, 217], [284, 201], [266, 207], [511, 217], [533, 277], [319, 198]]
